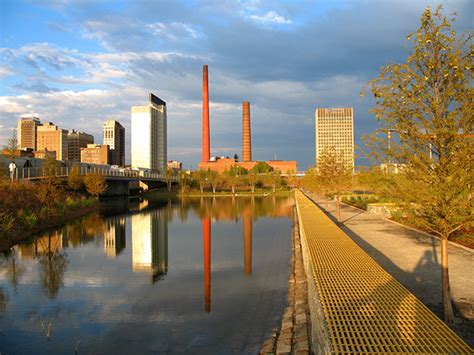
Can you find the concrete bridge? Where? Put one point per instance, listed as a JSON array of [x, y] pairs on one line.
[[119, 181]]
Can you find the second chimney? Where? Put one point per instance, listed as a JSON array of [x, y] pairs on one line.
[[246, 141]]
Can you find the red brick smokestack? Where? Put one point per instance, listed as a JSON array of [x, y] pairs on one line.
[[246, 143], [206, 145]]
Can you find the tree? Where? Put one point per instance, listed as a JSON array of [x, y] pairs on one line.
[[427, 103], [169, 175], [232, 178], [252, 179], [273, 178], [201, 177], [49, 190], [95, 183], [214, 179], [74, 179], [261, 168], [11, 147], [184, 180], [333, 175]]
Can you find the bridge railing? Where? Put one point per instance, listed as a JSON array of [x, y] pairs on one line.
[[30, 173]]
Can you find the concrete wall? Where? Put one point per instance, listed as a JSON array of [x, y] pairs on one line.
[[320, 339]]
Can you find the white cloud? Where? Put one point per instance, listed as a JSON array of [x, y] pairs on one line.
[[271, 17]]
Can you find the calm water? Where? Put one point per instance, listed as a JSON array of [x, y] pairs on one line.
[[194, 276]]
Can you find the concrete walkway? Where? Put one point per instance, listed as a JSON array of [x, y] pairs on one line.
[[412, 258]]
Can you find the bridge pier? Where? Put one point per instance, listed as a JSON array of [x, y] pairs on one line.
[[117, 188]]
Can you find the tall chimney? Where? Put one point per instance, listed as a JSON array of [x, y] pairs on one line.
[[246, 143], [206, 149]]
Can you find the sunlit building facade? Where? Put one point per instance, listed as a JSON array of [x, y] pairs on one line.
[[335, 131], [95, 154], [52, 138], [149, 135], [113, 134], [76, 141], [27, 128]]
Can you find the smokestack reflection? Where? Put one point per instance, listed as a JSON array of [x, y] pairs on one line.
[[206, 231], [247, 222]]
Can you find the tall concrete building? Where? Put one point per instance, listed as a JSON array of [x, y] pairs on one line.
[[149, 135], [27, 130], [335, 130], [113, 134], [52, 138], [76, 141]]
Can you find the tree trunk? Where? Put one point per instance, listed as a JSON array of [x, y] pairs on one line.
[[233, 189], [169, 186], [338, 210], [447, 305], [201, 187], [214, 189]]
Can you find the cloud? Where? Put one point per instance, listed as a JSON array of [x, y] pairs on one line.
[[271, 17]]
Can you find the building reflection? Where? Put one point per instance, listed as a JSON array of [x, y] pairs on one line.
[[150, 243], [114, 236], [206, 238], [247, 227]]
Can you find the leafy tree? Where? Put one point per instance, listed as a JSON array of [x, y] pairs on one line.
[[232, 178], [261, 168], [427, 103], [201, 177], [333, 175], [252, 179], [169, 175], [214, 179], [273, 179], [74, 179], [184, 180], [237, 170], [95, 183]]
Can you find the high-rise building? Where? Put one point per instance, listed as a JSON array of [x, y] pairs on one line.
[[52, 138], [95, 154], [76, 141], [335, 131], [27, 127], [149, 143], [113, 134]]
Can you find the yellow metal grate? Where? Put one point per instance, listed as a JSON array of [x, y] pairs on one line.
[[366, 309]]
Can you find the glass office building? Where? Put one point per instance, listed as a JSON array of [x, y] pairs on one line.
[[149, 142]]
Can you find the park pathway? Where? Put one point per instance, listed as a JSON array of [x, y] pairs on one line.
[[365, 308]]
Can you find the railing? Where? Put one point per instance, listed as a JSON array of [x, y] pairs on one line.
[[33, 173]]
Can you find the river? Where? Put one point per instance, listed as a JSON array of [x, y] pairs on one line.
[[204, 275]]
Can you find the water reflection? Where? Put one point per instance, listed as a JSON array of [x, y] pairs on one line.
[[206, 238], [247, 222], [52, 262], [150, 243], [114, 236], [102, 272]]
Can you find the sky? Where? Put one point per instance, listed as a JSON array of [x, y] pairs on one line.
[[78, 63]]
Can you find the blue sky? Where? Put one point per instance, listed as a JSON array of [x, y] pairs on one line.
[[79, 62]]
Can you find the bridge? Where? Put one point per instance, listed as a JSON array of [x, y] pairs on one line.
[[119, 181]]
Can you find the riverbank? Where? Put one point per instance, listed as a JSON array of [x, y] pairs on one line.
[[22, 232]]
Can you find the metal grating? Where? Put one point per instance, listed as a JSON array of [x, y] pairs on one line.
[[365, 308]]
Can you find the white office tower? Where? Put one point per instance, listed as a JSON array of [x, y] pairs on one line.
[[149, 142]]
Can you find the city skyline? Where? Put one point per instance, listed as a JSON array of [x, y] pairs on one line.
[[287, 59]]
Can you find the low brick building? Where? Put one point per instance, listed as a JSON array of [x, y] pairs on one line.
[[222, 164], [95, 154]]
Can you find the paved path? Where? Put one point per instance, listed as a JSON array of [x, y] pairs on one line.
[[413, 258]]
